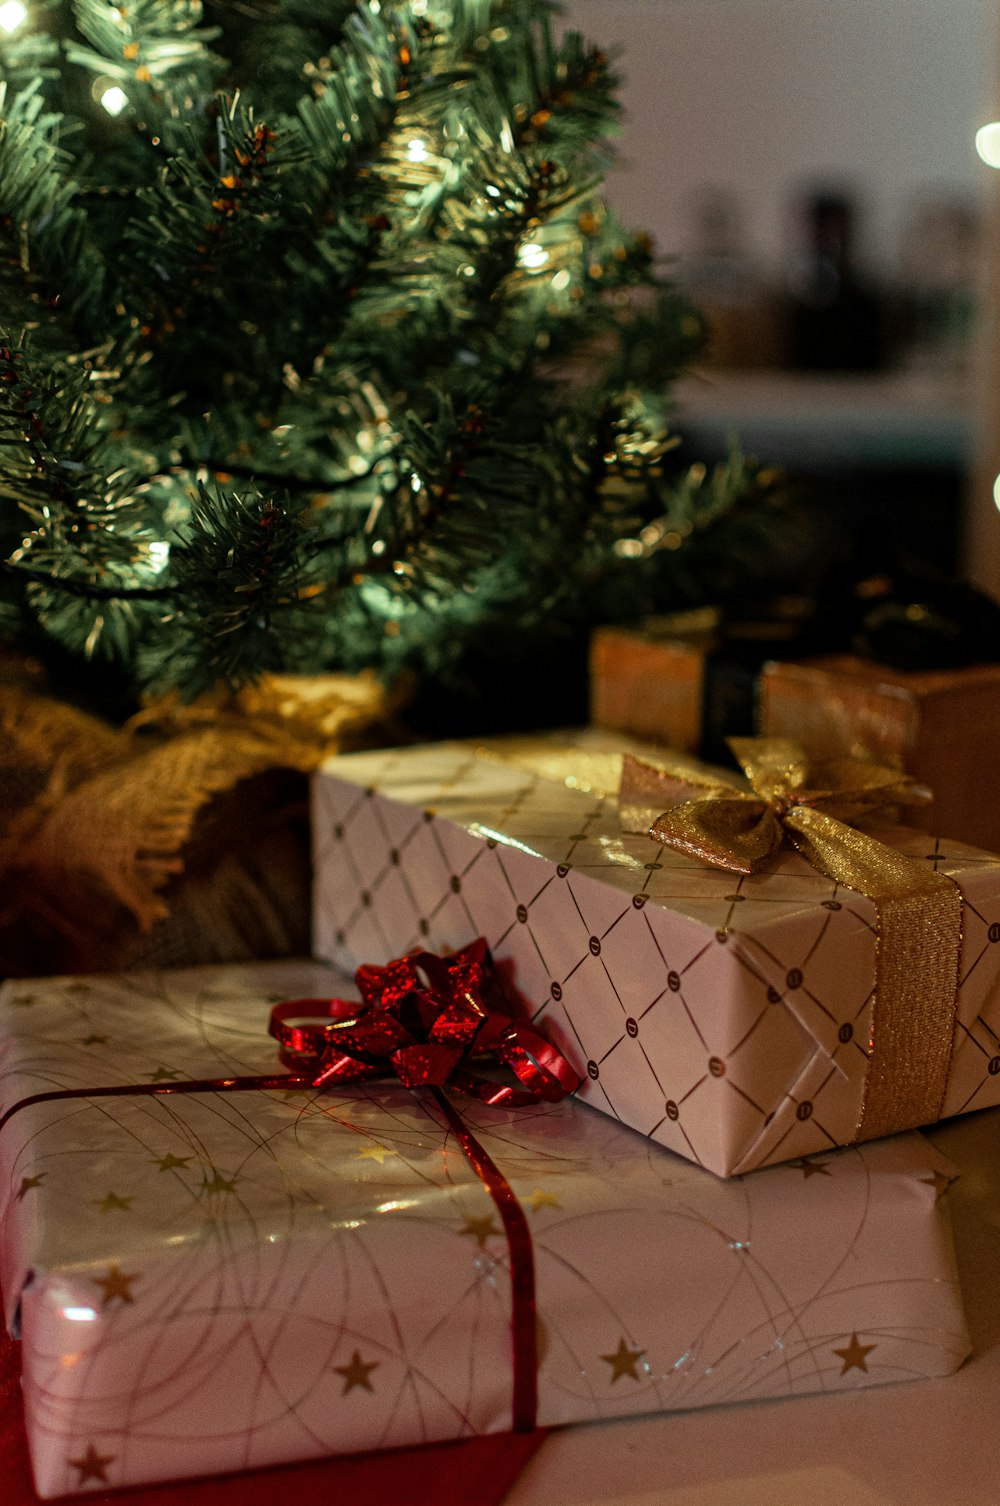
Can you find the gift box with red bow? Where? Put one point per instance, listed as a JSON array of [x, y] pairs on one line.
[[214, 1264], [830, 982]]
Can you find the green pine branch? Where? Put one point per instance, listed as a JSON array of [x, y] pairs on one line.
[[251, 544], [155, 53], [29, 54], [51, 273]]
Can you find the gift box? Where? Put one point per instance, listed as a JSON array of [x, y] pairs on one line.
[[941, 726], [649, 680], [205, 1282], [730, 1018]]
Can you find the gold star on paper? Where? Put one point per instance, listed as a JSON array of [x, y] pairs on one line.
[[217, 1183], [540, 1199], [93, 1466], [116, 1284], [811, 1168], [376, 1153], [27, 1183], [94, 1040], [357, 1373], [163, 1074], [480, 1229], [940, 1181], [170, 1162], [855, 1355], [623, 1361], [113, 1203]]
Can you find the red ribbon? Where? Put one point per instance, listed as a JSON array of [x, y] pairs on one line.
[[425, 1019]]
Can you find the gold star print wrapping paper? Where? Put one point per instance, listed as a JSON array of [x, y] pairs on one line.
[[725, 1016], [295, 1275]]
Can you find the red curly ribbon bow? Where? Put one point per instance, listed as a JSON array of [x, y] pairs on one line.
[[423, 1018]]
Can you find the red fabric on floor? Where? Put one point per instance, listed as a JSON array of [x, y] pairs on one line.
[[473, 1472]]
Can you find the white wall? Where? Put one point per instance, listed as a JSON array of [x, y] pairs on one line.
[[759, 95]]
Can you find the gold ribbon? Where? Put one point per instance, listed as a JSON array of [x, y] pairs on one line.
[[712, 817]]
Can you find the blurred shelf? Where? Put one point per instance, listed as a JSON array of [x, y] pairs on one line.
[[819, 422]]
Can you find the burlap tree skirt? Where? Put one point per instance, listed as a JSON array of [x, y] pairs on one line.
[[178, 839]]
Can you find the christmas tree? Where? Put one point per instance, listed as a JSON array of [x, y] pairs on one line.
[[320, 347]]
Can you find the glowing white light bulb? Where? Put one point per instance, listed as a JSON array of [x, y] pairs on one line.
[[80, 1314], [114, 100], [532, 256], [988, 143], [159, 553], [417, 150], [12, 14], [996, 491]]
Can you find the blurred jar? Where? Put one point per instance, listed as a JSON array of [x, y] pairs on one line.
[[722, 278], [938, 270], [834, 313]]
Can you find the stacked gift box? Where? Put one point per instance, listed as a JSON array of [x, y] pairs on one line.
[[211, 1269], [691, 680]]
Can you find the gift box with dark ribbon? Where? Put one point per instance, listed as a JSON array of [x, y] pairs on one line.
[[214, 1265]]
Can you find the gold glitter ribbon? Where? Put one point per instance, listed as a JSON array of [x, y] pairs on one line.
[[918, 927]]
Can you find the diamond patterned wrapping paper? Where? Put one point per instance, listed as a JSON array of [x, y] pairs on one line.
[[209, 1283], [725, 1017]]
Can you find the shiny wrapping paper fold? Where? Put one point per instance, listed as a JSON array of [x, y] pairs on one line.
[[209, 1283], [727, 1016]]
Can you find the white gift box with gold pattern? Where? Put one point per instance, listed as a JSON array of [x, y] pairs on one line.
[[214, 1282], [726, 1017]]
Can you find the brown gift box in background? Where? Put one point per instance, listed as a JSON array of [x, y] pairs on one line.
[[941, 726], [689, 680], [649, 683]]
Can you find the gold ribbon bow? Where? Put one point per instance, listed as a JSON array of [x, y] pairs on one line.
[[918, 911]]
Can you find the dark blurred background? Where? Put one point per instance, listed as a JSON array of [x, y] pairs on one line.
[[812, 168]]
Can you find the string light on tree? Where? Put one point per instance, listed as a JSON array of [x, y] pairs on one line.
[[113, 99], [532, 256], [988, 143], [416, 150], [12, 15], [158, 553]]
